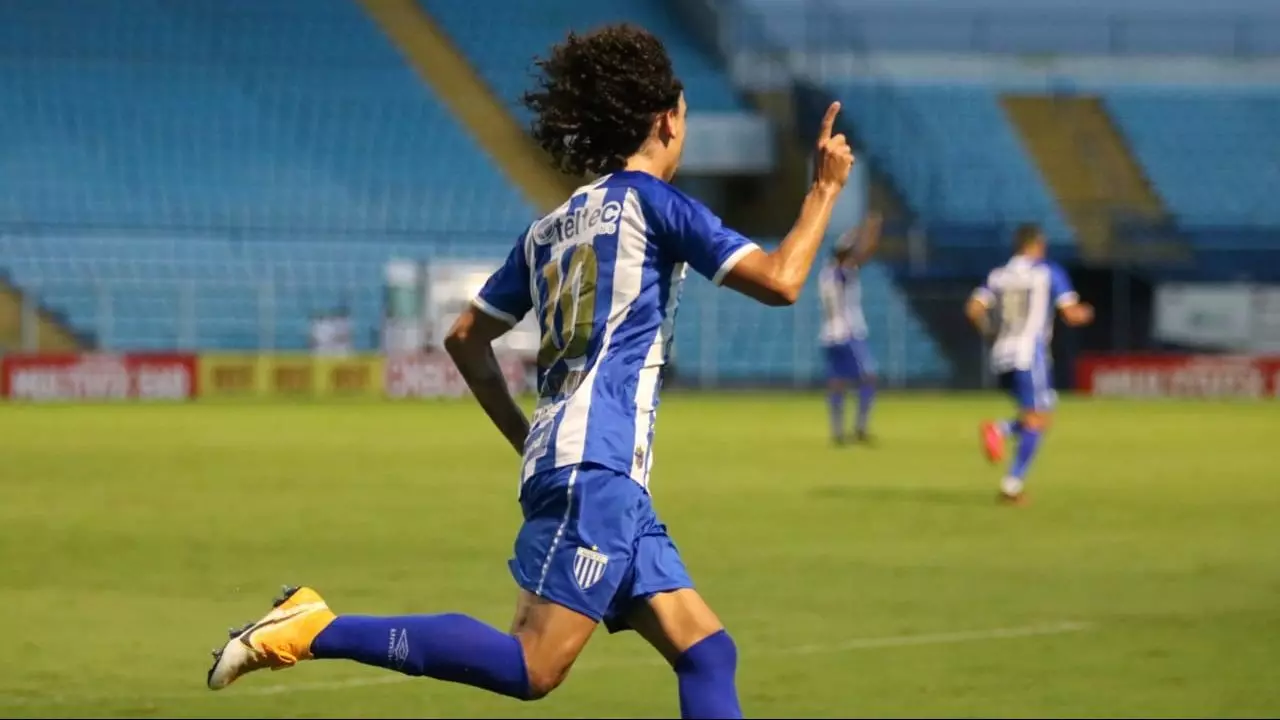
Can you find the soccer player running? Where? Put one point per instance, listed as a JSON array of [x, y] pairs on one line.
[[602, 273], [1023, 293], [844, 328]]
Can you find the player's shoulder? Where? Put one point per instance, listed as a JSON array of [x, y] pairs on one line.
[[1050, 269], [657, 197]]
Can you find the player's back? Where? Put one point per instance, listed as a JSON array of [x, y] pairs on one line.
[[604, 273], [1024, 290], [840, 291]]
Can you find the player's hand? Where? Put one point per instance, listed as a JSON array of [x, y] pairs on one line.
[[833, 157], [1086, 313], [1079, 314]]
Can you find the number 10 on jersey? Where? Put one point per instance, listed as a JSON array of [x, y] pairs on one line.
[[568, 313]]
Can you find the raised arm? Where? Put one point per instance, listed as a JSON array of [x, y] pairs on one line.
[[776, 278], [868, 240]]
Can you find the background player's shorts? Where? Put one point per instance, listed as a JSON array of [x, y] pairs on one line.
[[592, 543], [849, 360], [1030, 389]]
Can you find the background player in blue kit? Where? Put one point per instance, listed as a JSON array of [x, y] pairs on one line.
[[603, 274], [1024, 293], [844, 327]]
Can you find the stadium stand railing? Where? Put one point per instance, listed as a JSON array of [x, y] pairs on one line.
[[131, 293]]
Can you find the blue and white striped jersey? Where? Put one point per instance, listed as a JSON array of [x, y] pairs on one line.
[[604, 272], [1025, 294], [840, 289]]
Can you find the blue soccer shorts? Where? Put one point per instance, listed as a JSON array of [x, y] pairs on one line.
[[1032, 389], [850, 360], [592, 542]]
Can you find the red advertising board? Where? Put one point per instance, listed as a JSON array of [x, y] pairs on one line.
[[72, 377], [1190, 376], [434, 375]]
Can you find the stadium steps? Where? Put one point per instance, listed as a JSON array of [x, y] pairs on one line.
[[52, 334], [936, 304], [1088, 167], [430, 52]]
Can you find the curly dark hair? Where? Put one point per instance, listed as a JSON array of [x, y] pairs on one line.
[[597, 95]]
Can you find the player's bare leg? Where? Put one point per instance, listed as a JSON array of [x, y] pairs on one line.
[[552, 637], [681, 626], [836, 390], [1033, 423], [866, 396]]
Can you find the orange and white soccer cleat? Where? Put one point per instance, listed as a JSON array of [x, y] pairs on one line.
[[992, 441], [277, 641]]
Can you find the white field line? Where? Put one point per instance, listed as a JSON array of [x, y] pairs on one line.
[[866, 643]]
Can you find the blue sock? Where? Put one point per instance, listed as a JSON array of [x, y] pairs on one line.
[[835, 402], [706, 676], [1010, 427], [448, 647], [1028, 441], [866, 396]]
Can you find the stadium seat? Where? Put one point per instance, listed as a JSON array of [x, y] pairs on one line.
[[210, 174], [203, 114], [1211, 156], [502, 42], [958, 160]]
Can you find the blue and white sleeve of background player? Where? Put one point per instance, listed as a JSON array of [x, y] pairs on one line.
[[506, 295], [695, 235], [1060, 288], [985, 293]]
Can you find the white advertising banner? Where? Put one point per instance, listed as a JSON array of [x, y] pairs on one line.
[[1237, 317]]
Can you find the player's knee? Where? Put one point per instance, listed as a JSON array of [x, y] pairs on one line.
[[1036, 420], [546, 667], [543, 678]]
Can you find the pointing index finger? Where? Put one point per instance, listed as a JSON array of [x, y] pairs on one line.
[[828, 122]]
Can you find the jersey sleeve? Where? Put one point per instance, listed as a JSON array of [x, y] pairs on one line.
[[695, 235], [986, 292], [506, 295], [1060, 288]]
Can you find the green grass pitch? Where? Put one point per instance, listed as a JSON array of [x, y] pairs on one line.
[[1143, 579]]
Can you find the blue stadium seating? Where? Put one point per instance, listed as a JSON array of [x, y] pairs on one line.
[[294, 119], [155, 292], [210, 174], [229, 113], [502, 41], [958, 159], [735, 339], [1248, 28], [1213, 157], [158, 291]]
